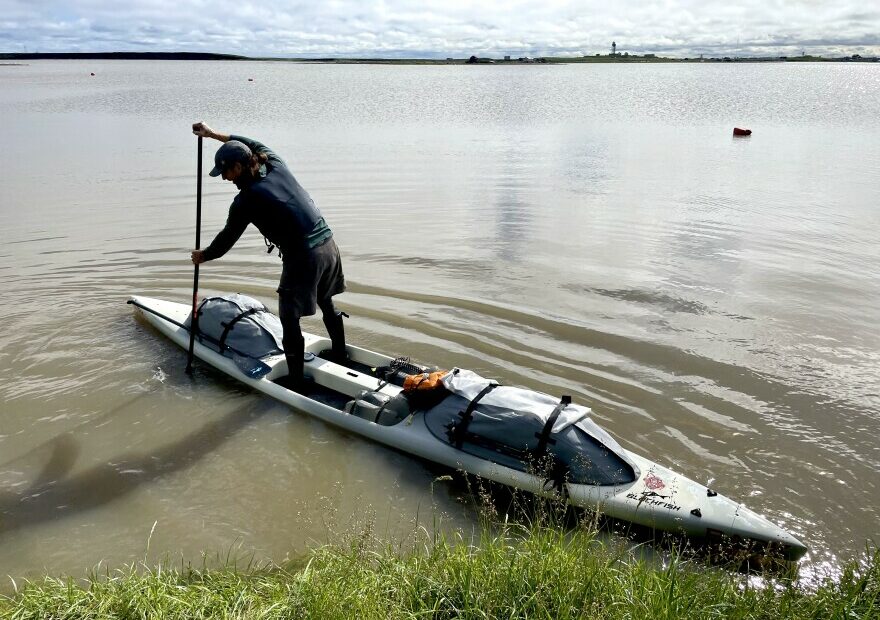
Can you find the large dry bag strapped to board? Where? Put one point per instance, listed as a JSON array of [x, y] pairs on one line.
[[527, 430], [240, 328], [515, 427]]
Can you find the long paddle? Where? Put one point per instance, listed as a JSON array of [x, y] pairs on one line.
[[195, 316]]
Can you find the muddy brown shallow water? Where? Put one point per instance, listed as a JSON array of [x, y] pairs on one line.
[[592, 230]]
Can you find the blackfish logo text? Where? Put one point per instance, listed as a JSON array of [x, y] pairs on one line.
[[654, 499]]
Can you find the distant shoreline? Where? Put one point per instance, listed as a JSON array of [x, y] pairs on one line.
[[120, 56], [507, 60]]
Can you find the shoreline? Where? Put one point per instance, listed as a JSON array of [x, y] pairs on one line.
[[506, 569], [473, 60]]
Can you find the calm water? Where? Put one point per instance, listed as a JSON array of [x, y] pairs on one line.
[[592, 230]]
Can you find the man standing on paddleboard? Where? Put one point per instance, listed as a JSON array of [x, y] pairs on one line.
[[270, 198]]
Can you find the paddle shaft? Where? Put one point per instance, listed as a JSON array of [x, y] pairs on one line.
[[195, 316]]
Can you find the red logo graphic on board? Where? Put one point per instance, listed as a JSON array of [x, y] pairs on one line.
[[653, 482]]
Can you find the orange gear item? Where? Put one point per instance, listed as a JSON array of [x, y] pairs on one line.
[[424, 382]]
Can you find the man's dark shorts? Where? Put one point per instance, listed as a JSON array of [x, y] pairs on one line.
[[310, 279]]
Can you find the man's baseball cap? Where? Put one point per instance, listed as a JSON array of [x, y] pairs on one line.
[[231, 152]]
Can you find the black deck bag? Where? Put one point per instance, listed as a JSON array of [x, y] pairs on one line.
[[241, 328]]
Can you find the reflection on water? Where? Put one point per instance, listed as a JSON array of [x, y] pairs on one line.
[[587, 230], [54, 493]]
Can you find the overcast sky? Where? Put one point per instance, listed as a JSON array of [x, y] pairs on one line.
[[440, 28]]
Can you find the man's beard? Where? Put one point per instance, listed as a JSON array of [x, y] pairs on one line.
[[245, 179]]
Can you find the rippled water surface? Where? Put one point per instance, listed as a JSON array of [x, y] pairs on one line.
[[583, 229]]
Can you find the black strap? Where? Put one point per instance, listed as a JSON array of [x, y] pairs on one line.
[[544, 436], [201, 305], [381, 409], [227, 327], [557, 477], [458, 432]]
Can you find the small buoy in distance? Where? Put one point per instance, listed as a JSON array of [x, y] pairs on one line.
[[737, 131], [92, 73], [250, 79]]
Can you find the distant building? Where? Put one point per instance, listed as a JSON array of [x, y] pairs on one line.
[[614, 48], [507, 58]]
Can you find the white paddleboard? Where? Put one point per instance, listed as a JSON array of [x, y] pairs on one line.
[[660, 498]]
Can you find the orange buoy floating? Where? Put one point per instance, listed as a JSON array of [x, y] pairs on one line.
[[741, 132]]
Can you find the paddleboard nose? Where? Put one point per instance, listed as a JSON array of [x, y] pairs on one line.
[[754, 526]]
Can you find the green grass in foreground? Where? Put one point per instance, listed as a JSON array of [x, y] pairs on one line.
[[511, 571]]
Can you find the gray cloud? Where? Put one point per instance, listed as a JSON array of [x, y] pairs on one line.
[[431, 28]]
